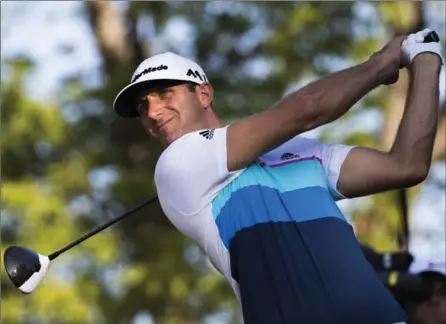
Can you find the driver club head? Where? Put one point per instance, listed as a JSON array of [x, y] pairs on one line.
[[25, 267]]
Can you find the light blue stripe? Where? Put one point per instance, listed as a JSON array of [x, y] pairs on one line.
[[289, 177]]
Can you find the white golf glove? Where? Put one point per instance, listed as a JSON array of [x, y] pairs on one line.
[[414, 45]]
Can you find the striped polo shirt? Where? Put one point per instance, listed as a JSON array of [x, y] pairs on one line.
[[274, 230]]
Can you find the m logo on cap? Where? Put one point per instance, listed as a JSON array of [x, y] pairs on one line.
[[196, 75], [149, 70]]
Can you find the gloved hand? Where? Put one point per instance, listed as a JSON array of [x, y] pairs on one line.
[[415, 44]]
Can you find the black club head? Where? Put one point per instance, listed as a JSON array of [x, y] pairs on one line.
[[25, 267]]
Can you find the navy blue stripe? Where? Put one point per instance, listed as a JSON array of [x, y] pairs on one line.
[[310, 272]]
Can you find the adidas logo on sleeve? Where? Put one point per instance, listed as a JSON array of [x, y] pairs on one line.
[[208, 134], [289, 156]]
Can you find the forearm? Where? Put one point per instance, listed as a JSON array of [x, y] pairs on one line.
[[329, 98], [415, 138]]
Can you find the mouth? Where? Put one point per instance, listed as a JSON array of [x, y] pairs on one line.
[[162, 126]]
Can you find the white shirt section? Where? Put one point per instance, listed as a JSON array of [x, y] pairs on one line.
[[188, 175], [193, 169], [332, 156]]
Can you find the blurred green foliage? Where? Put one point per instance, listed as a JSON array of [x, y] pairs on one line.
[[55, 156]]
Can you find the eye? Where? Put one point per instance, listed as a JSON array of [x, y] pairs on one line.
[[142, 108], [165, 93]]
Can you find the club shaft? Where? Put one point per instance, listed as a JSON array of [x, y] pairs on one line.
[[101, 228], [403, 235]]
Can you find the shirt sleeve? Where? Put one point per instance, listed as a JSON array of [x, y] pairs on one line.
[[192, 170], [333, 156]]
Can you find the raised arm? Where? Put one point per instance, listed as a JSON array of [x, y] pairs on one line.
[[314, 105], [368, 171]]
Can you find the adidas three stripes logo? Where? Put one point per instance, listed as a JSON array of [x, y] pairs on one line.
[[208, 134], [289, 156]]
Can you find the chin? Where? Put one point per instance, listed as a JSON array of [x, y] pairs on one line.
[[169, 139]]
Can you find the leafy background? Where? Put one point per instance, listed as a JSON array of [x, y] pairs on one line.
[[68, 163]]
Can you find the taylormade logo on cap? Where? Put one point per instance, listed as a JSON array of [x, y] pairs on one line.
[[165, 66], [196, 75], [169, 66], [148, 70]]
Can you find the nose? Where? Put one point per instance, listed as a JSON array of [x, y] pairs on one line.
[[155, 107]]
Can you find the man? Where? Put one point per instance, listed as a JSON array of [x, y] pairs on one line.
[[430, 310], [260, 200]]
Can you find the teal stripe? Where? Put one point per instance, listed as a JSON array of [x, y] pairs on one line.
[[285, 178]]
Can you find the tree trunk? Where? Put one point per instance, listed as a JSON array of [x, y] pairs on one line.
[[109, 29]]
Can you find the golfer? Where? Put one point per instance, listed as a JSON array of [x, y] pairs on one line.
[[261, 200]]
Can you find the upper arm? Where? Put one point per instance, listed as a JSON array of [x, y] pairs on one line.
[[249, 138], [367, 171]]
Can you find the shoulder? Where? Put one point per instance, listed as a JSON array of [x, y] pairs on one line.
[[192, 152], [296, 148], [192, 170]]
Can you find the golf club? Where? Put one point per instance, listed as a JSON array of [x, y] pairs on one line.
[[26, 268], [432, 37]]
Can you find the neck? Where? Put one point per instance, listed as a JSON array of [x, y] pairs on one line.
[[213, 121], [210, 121]]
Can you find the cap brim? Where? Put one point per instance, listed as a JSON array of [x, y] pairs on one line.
[[125, 104]]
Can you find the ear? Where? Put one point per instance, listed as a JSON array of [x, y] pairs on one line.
[[205, 94]]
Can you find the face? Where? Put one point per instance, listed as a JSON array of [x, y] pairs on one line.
[[171, 109], [433, 310]]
